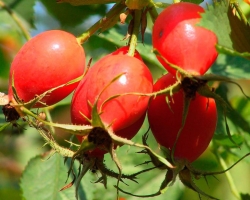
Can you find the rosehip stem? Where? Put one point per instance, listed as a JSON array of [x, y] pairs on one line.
[[53, 144], [16, 19], [229, 177], [49, 118], [73, 129], [239, 11], [114, 11], [136, 26], [152, 11]]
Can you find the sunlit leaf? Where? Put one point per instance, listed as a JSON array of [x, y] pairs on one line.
[[231, 31], [231, 66]]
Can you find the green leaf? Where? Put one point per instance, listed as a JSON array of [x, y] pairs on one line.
[[232, 32], [87, 2], [237, 123], [10, 193], [231, 66], [224, 140], [70, 16], [215, 18], [245, 196], [228, 51], [242, 105], [4, 126], [229, 133], [43, 178], [193, 1], [24, 8], [239, 32]]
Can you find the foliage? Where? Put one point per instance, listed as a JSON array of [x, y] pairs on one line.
[[31, 170]]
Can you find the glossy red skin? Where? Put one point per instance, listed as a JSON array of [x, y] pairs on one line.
[[125, 113], [50, 59], [165, 124], [124, 50], [181, 42]]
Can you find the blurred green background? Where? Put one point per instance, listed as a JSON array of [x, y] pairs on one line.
[[19, 145]]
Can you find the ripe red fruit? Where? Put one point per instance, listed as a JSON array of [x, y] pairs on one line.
[[50, 59], [124, 50], [125, 113], [181, 42], [165, 122]]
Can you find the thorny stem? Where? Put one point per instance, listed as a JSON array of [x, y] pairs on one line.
[[176, 67], [115, 10], [119, 140], [163, 189], [49, 118], [50, 140], [73, 129], [101, 166], [133, 40], [119, 167], [16, 19]]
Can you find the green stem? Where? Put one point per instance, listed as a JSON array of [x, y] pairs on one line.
[[16, 19], [49, 118], [229, 177], [73, 129], [118, 140], [136, 26], [152, 11], [169, 91], [56, 147], [115, 10], [240, 12]]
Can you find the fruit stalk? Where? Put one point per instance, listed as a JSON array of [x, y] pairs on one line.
[[240, 12], [73, 129], [229, 177], [115, 10], [133, 40], [152, 11], [49, 118]]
